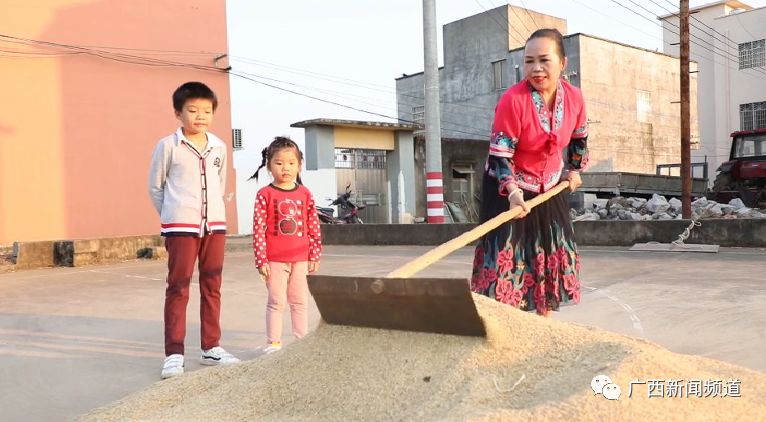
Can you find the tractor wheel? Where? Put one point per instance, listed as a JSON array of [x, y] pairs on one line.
[[723, 181]]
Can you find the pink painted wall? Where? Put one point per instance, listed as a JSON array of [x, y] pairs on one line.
[[77, 131]]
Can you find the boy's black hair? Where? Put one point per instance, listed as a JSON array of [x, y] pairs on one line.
[[553, 34], [193, 90], [279, 143]]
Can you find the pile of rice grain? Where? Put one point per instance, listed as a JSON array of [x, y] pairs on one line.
[[527, 366]]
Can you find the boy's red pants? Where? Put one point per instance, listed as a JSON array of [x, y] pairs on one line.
[[183, 251]]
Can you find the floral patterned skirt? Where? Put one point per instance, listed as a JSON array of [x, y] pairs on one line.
[[530, 263]]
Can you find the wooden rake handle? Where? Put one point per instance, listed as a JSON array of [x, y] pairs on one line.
[[418, 264]]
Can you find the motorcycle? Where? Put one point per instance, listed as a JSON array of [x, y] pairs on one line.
[[347, 210]]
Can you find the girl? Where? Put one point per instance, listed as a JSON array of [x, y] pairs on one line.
[[532, 263], [286, 239]]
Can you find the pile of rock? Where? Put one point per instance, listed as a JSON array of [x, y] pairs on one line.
[[659, 208]]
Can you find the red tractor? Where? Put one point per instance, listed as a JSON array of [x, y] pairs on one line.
[[744, 175]]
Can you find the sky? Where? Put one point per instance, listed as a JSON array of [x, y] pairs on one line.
[[350, 52]]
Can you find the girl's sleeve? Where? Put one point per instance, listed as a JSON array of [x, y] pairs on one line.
[[314, 231], [577, 151], [259, 231], [502, 146]]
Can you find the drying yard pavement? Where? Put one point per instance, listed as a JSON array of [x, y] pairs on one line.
[[77, 340]]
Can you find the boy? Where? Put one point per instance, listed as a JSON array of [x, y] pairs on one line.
[[187, 182]]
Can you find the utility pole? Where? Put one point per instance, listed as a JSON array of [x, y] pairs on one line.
[[434, 185], [686, 170]]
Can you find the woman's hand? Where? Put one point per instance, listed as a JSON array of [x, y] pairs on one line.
[[516, 199], [574, 181]]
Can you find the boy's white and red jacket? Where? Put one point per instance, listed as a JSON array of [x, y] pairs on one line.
[[187, 186]]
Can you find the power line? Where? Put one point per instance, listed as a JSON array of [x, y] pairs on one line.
[[244, 76], [731, 57], [520, 20], [713, 29], [617, 20], [699, 21], [318, 75], [491, 16], [31, 54], [530, 15], [706, 33], [120, 57], [336, 103], [131, 59], [356, 83], [676, 33]]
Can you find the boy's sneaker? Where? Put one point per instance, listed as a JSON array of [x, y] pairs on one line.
[[272, 347], [217, 356], [173, 365]]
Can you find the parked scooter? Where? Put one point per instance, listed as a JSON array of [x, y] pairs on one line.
[[327, 216], [347, 210]]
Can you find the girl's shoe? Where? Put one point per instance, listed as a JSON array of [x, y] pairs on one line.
[[272, 347]]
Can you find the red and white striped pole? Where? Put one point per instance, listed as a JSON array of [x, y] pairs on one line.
[[435, 197], [434, 186]]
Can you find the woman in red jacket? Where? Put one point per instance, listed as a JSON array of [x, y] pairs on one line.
[[538, 138]]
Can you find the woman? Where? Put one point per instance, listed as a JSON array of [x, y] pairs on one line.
[[538, 138]]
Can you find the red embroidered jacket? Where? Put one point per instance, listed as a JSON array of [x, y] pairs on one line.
[[528, 141]]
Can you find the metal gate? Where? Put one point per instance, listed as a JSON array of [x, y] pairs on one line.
[[365, 170]]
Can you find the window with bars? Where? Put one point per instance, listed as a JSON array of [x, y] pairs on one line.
[[752, 116], [347, 158], [498, 74], [419, 118], [236, 138], [752, 54]]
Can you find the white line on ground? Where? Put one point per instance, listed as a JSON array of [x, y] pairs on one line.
[[628, 309], [126, 275]]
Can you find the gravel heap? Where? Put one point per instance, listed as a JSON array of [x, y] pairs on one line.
[[527, 367], [659, 208]]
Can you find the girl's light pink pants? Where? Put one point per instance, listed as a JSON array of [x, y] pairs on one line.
[[287, 284]]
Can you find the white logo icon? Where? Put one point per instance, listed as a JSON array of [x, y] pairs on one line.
[[611, 391], [598, 383]]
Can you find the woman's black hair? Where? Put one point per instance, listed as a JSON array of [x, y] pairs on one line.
[[553, 34], [279, 143]]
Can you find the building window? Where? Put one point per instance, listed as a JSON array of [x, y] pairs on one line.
[[462, 182], [643, 106], [418, 114], [752, 116], [498, 74], [752, 54], [518, 73], [236, 138], [349, 158], [419, 118]]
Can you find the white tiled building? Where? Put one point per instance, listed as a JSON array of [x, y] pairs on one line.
[[728, 41]]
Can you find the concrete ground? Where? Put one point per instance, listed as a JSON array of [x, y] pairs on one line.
[[73, 339]]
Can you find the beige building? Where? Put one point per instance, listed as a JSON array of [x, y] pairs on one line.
[[728, 40], [632, 94]]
